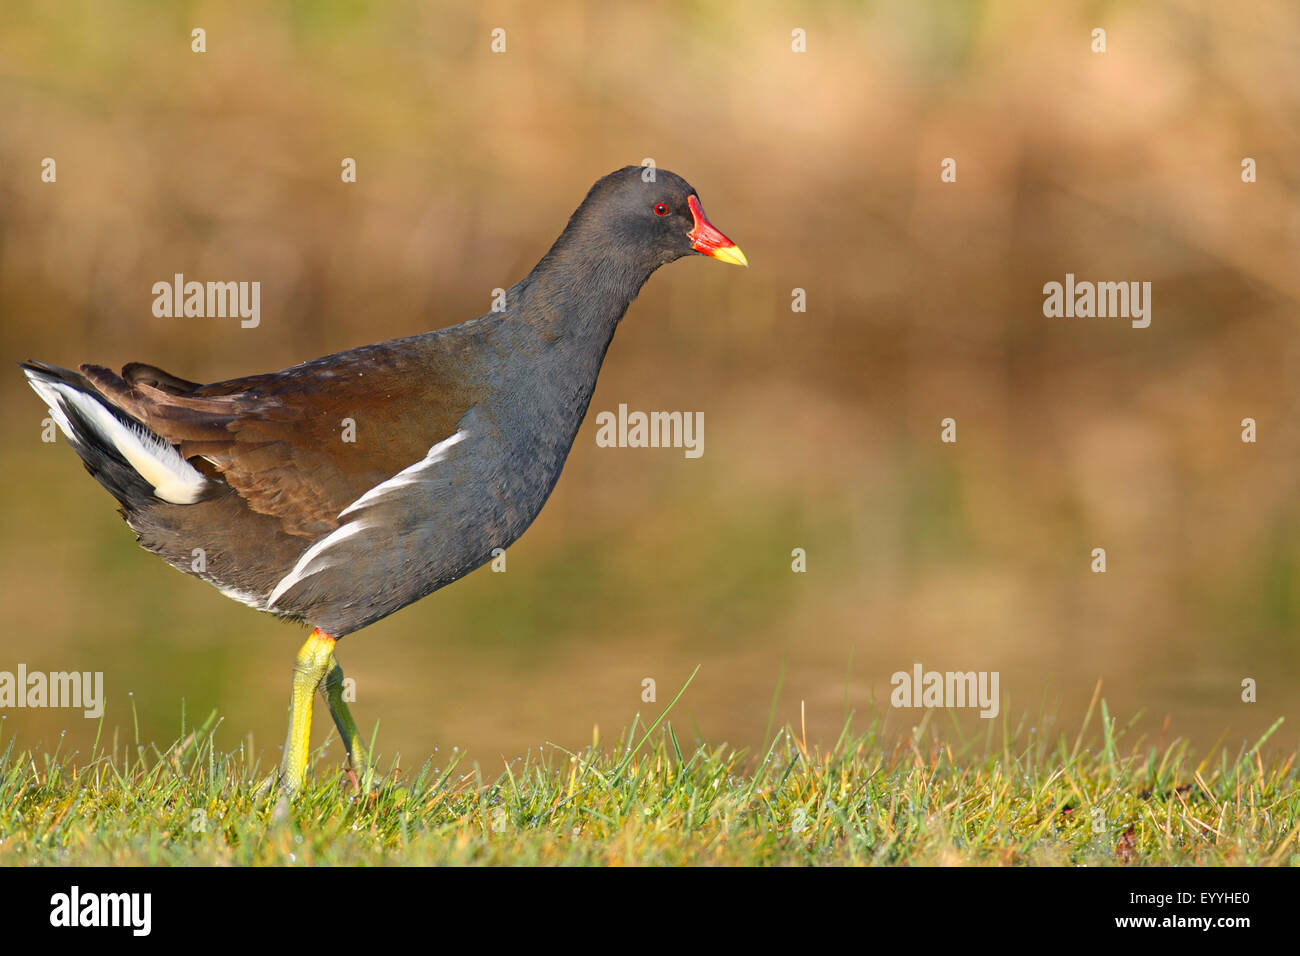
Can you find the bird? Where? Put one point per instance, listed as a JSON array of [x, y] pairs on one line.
[[458, 438]]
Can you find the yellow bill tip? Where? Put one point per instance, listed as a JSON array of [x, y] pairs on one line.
[[730, 254]]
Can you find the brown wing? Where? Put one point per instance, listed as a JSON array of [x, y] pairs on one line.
[[304, 443]]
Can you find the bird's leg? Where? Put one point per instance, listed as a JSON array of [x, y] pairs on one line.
[[333, 690], [308, 671]]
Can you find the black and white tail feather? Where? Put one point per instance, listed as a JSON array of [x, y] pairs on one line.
[[126, 457]]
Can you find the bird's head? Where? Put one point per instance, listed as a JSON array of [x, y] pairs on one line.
[[653, 216]]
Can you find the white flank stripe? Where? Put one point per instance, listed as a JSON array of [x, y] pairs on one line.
[[308, 565], [243, 597], [407, 476], [157, 462], [303, 568]]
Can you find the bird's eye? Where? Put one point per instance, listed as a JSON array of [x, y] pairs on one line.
[[661, 209]]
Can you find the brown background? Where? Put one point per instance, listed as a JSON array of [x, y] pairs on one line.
[[924, 301]]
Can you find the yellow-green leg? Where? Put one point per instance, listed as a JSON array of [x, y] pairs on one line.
[[333, 689], [314, 660]]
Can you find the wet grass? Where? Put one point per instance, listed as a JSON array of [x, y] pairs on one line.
[[1010, 798]]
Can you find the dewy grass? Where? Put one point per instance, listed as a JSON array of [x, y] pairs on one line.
[[1014, 797]]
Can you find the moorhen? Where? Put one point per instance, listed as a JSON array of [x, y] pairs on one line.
[[458, 435]]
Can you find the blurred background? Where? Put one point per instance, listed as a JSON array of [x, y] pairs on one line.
[[924, 301]]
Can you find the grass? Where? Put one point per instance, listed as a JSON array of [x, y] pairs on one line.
[[1011, 798]]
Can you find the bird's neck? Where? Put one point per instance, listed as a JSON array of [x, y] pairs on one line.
[[562, 317], [581, 290]]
